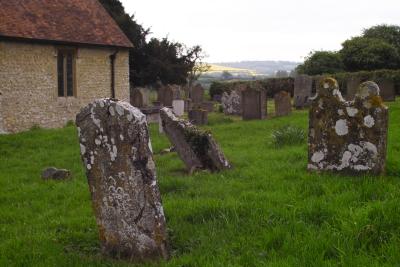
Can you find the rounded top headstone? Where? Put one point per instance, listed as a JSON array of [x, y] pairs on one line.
[[367, 89]]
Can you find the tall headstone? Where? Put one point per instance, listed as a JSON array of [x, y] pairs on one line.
[[302, 90], [137, 98], [254, 104], [348, 136], [196, 148], [166, 95], [388, 92], [352, 84], [232, 102], [178, 107], [283, 105], [117, 156], [197, 94]]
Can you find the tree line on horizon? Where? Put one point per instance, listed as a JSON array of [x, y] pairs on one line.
[[377, 48]]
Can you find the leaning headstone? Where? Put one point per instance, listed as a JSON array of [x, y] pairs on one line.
[[178, 107], [253, 104], [232, 102], [348, 137], [196, 148], [198, 116], [197, 94], [283, 105], [388, 92], [302, 90], [352, 84], [116, 152]]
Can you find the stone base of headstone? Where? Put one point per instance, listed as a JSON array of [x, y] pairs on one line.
[[196, 148], [178, 107], [198, 116], [117, 156]]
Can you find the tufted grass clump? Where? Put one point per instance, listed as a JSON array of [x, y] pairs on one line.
[[288, 135]]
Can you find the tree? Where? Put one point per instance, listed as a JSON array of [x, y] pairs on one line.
[[362, 53], [321, 62], [387, 33], [226, 75], [156, 60], [195, 58]]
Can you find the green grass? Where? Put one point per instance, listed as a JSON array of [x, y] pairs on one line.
[[267, 211]]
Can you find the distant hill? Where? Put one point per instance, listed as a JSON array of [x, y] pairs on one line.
[[261, 67]]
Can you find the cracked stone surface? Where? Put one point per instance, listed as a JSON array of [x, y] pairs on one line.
[[347, 136], [116, 152], [196, 148]]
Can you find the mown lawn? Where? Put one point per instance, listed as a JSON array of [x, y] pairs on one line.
[[267, 211]]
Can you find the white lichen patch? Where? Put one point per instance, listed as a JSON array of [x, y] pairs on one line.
[[340, 112], [321, 103], [119, 109], [121, 137], [341, 127], [317, 156], [351, 111], [369, 121], [89, 167], [97, 141], [113, 153], [326, 85], [83, 149], [111, 110]]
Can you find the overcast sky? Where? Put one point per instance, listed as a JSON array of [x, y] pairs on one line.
[[231, 30]]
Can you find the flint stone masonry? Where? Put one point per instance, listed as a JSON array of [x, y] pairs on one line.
[[254, 104], [388, 92], [283, 105], [28, 83], [347, 137], [196, 148], [232, 102], [116, 152], [302, 91], [198, 116]]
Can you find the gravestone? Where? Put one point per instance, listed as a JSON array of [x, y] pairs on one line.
[[197, 94], [137, 98], [178, 107], [348, 136], [198, 116], [253, 104], [232, 102], [196, 148], [302, 90], [188, 104], [168, 96], [117, 156], [388, 92], [208, 105], [217, 98], [283, 105], [352, 85]]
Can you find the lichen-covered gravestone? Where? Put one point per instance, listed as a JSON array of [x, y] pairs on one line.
[[348, 137], [283, 105], [196, 148], [116, 151], [232, 102], [302, 90]]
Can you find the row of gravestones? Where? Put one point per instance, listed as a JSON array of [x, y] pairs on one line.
[[251, 103], [303, 89], [344, 136]]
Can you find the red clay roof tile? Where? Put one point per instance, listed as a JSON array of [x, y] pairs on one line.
[[70, 21]]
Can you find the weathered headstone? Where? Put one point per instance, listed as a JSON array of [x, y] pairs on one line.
[[352, 85], [178, 107], [137, 98], [168, 96], [302, 90], [253, 104], [197, 94], [208, 105], [196, 148], [348, 137], [283, 105], [198, 116], [388, 92], [232, 102], [116, 151], [217, 98]]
